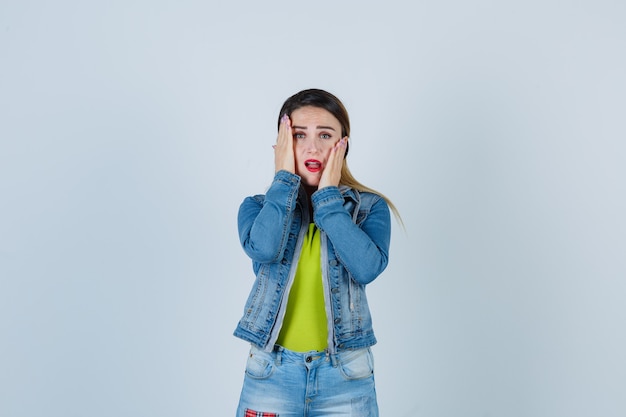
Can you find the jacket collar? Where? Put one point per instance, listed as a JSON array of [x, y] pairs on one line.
[[350, 193]]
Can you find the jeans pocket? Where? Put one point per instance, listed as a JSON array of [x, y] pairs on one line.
[[260, 365], [356, 364]]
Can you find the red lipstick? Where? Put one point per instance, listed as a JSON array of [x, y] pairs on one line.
[[313, 165]]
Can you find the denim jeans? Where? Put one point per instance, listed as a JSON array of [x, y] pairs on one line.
[[283, 383]]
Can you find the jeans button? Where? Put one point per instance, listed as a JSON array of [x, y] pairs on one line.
[[308, 359]]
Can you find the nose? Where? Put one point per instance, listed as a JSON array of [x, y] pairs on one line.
[[311, 146]]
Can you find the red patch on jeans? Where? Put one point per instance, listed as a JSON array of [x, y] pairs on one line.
[[252, 413]]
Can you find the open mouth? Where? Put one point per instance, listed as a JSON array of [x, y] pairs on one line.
[[313, 165]]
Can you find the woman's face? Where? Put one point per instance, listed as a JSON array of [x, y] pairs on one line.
[[315, 132]]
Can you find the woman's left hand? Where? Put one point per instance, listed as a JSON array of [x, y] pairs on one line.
[[332, 171]]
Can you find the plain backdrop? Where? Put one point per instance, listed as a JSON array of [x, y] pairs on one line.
[[131, 130]]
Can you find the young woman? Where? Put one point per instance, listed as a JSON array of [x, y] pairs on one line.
[[316, 238]]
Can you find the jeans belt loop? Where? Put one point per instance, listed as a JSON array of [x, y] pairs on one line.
[[279, 355], [333, 359]]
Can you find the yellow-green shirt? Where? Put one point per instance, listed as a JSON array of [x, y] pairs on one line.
[[304, 327]]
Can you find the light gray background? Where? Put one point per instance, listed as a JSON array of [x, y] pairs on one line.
[[131, 130]]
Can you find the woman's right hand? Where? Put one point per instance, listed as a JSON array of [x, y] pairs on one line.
[[283, 150]]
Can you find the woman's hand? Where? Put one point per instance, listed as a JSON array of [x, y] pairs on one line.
[[283, 150], [332, 171]]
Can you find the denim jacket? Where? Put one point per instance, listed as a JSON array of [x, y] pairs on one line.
[[355, 231]]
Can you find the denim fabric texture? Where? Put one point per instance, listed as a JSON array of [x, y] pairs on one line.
[[311, 384], [355, 235]]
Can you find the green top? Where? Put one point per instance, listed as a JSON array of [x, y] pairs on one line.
[[304, 328]]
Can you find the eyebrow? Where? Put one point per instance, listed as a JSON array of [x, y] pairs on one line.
[[318, 127]]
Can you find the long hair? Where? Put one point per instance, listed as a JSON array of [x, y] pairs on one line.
[[327, 101]]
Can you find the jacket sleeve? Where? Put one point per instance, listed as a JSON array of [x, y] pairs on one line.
[[362, 249], [264, 223]]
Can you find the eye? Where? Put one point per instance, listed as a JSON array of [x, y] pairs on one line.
[[325, 136], [298, 135]]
